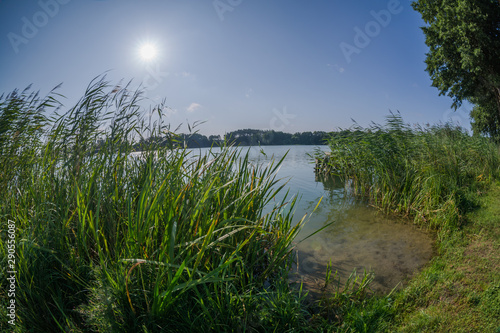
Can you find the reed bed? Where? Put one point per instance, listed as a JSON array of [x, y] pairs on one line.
[[118, 232], [431, 174], [109, 239]]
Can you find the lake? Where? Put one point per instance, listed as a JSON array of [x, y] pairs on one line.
[[359, 237]]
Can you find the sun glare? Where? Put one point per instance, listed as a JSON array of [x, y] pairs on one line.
[[148, 52]]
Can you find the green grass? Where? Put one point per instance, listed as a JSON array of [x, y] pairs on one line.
[[109, 241], [350, 307], [460, 290]]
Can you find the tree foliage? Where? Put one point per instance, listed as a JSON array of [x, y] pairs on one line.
[[464, 52], [486, 121], [241, 137]]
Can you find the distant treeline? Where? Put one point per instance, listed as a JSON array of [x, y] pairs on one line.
[[248, 137]]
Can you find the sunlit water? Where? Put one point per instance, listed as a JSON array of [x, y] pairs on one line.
[[358, 237]]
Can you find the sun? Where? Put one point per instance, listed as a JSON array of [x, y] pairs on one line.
[[148, 51]]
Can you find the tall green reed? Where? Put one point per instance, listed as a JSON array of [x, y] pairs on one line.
[[431, 174], [116, 232]]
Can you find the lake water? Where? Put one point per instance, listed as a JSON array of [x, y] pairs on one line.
[[359, 237]]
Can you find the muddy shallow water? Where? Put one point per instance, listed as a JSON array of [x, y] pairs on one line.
[[358, 237], [361, 238]]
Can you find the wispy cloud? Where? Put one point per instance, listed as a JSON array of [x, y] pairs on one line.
[[184, 74], [193, 107], [336, 67], [249, 92]]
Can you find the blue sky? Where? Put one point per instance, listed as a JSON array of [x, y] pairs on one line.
[[283, 65]]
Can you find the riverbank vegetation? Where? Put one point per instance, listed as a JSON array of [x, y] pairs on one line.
[[444, 180], [432, 175], [111, 238], [112, 241], [459, 291]]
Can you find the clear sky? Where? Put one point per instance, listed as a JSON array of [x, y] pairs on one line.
[[275, 64]]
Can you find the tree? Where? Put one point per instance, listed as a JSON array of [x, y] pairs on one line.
[[464, 56], [486, 121]]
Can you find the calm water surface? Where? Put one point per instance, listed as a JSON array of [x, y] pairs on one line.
[[359, 237]]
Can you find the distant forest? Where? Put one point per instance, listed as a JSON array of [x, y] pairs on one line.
[[248, 137]]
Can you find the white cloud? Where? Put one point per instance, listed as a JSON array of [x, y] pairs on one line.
[[193, 107]]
